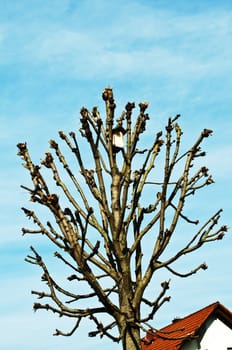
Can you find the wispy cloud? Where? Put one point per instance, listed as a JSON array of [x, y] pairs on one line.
[[158, 42], [218, 160]]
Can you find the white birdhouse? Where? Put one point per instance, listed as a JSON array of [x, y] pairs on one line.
[[118, 138]]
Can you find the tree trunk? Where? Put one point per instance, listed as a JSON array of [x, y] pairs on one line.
[[131, 338]]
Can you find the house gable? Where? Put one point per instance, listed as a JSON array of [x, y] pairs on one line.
[[190, 331], [217, 337]]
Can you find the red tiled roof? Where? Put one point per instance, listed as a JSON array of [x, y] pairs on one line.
[[181, 330]]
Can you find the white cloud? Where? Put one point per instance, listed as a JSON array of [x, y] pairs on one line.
[[3, 31], [34, 330], [62, 42], [219, 161], [159, 42]]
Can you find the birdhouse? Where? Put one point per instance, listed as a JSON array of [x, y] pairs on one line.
[[118, 138]]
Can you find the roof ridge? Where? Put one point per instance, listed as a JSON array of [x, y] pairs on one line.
[[212, 306], [215, 304]]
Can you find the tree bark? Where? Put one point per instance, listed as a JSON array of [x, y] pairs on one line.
[[130, 337]]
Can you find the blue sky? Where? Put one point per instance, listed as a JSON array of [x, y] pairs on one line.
[[58, 55]]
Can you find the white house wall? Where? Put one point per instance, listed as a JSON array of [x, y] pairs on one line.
[[217, 337]]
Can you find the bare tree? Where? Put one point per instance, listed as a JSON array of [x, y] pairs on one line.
[[113, 229]]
